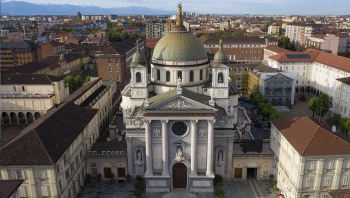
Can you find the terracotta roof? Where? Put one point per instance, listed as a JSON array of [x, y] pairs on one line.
[[28, 79], [151, 42], [345, 80], [45, 141], [8, 187], [53, 43], [342, 193], [285, 56], [276, 49], [310, 138], [333, 60], [236, 40], [122, 47]]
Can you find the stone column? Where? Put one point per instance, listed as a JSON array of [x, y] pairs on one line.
[[210, 148], [229, 157], [148, 137], [165, 147], [194, 133], [130, 155]]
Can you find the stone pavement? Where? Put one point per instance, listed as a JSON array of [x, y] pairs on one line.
[[232, 189]]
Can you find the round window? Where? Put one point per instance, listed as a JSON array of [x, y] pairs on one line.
[[179, 128]]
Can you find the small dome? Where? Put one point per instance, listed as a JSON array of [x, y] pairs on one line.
[[138, 58], [220, 56]]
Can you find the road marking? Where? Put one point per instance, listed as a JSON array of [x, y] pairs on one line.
[[252, 186], [256, 184]]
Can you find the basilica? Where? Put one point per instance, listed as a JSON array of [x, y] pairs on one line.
[[182, 117]]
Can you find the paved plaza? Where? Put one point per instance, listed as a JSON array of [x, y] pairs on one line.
[[232, 189]]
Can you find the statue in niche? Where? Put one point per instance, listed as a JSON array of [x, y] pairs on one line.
[[139, 158], [178, 83], [220, 158], [231, 111], [179, 155]]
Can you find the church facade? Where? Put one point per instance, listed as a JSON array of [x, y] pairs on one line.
[[180, 121]]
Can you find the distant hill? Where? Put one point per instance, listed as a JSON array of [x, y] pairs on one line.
[[25, 8]]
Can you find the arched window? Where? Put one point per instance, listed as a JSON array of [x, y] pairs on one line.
[[93, 170], [220, 77], [201, 74], [287, 85], [191, 76], [275, 85], [138, 77], [281, 85], [158, 74], [168, 76], [179, 74]]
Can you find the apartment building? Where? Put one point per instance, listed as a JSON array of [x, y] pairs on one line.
[[299, 32], [274, 29], [240, 48], [49, 170], [113, 62], [157, 29], [70, 63], [17, 53], [52, 48], [310, 159], [329, 42], [92, 17], [26, 97]]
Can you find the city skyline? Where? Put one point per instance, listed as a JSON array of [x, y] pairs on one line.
[[271, 7]]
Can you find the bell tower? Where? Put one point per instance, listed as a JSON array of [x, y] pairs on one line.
[[139, 77]]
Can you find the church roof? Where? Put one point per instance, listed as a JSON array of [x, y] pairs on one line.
[[185, 92]]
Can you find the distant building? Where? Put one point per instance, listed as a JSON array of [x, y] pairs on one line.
[[274, 29], [157, 29], [52, 48], [329, 43], [114, 61], [92, 17], [17, 53], [311, 159], [298, 33], [112, 17]]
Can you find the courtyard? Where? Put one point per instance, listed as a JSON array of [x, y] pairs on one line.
[[232, 189]]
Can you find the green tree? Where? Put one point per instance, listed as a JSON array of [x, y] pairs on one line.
[[322, 104], [286, 43], [345, 54], [267, 24], [71, 83], [87, 79], [78, 81], [312, 105], [345, 125]]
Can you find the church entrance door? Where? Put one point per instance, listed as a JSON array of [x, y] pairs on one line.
[[179, 175]]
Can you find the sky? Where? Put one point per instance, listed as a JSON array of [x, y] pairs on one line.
[[287, 7]]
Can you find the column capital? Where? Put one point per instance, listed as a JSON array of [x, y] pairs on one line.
[[128, 139], [194, 121], [147, 122], [231, 140], [164, 122], [211, 121]]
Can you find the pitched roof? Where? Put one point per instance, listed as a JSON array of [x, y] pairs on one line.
[[8, 187], [238, 40], [333, 60], [28, 79], [82, 90], [276, 49], [295, 56], [310, 138], [345, 80], [53, 43], [341, 193], [16, 45], [32, 67], [122, 47], [44, 141]]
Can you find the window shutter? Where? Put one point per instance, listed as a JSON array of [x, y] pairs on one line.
[[312, 166], [346, 180], [43, 174], [327, 181]]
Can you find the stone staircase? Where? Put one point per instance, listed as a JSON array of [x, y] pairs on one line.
[[179, 193]]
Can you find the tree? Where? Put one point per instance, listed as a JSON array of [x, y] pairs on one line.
[[345, 125], [312, 105], [322, 105], [87, 79], [71, 83], [267, 24], [78, 81], [286, 43], [345, 54]]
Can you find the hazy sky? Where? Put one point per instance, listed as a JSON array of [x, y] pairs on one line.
[[305, 7]]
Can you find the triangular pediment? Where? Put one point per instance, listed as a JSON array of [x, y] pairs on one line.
[[179, 103]]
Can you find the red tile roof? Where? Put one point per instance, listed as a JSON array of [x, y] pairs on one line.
[[310, 138]]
